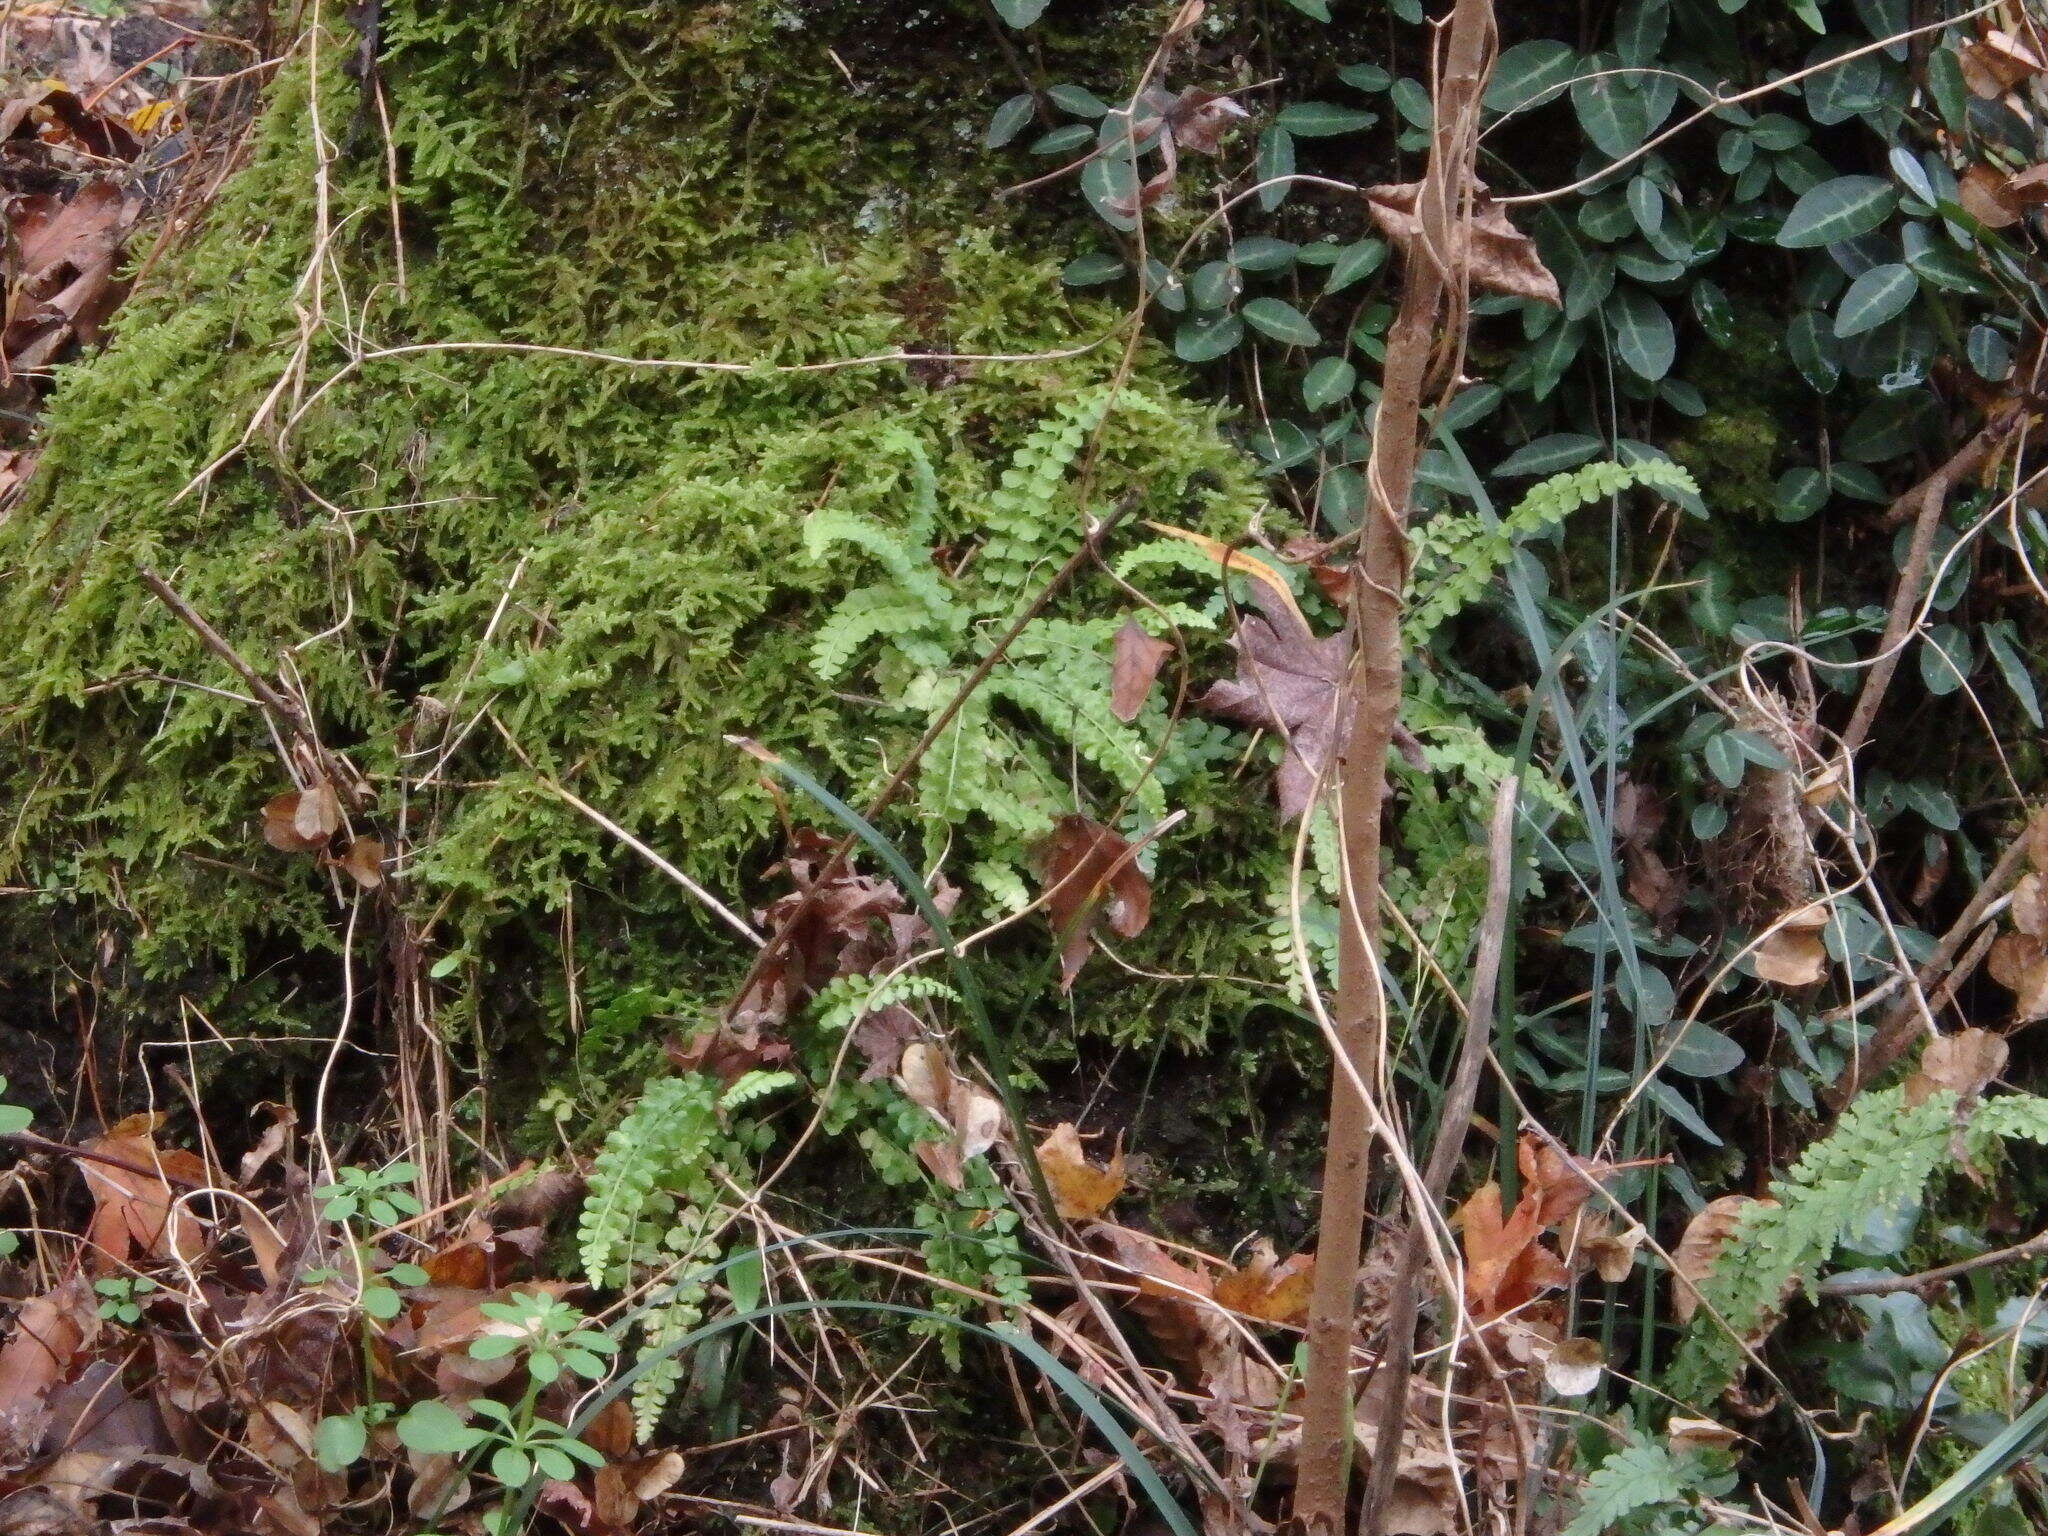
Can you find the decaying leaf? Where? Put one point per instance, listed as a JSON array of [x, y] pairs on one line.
[[1172, 1300], [973, 1116], [364, 862], [136, 1213], [2019, 963], [1133, 667], [1502, 258], [1705, 1236], [726, 1053], [1505, 1263], [1996, 62], [1793, 955], [1979, 191], [1080, 1190], [49, 1331], [1269, 1288], [1592, 1240], [1964, 1063], [1091, 872], [1287, 681], [1575, 1367], [1688, 1434], [281, 825]]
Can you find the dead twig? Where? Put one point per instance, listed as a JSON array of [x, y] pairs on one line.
[[1886, 1285]]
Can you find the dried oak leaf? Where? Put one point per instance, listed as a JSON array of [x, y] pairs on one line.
[[1964, 1063], [1793, 955], [1134, 664], [1556, 1184], [1080, 1190], [1269, 1288], [1091, 873], [2026, 189], [1503, 259], [1704, 1238]]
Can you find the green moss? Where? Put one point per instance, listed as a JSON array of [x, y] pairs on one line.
[[608, 558]]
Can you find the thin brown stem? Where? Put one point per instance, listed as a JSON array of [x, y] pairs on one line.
[[1885, 1285]]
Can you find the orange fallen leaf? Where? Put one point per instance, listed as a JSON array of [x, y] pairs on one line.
[[1705, 1236], [1793, 955], [1270, 1289], [1080, 1190], [136, 1212], [1963, 1063]]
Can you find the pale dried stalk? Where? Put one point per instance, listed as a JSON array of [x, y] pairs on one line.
[[1435, 280]]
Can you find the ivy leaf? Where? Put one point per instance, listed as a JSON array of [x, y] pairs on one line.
[[1530, 72], [1323, 119], [1020, 13], [1878, 295], [1281, 321], [1643, 336], [1837, 210], [1009, 121]]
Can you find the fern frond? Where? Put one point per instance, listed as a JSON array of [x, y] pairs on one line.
[[757, 1084], [860, 616], [1635, 1477], [659, 1148]]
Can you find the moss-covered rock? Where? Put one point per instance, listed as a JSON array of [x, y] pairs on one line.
[[491, 570]]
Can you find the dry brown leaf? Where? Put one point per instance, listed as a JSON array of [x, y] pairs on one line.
[[1270, 587], [2026, 189], [1503, 259], [1964, 1063], [1825, 785], [1269, 1288], [1594, 1241], [316, 816], [135, 1210], [1134, 665], [2019, 963], [1793, 955], [1575, 1367], [1505, 1263], [1080, 1190], [1556, 1183], [1977, 190], [972, 1115], [49, 1331], [1705, 1236], [281, 825], [1686, 1434], [2029, 909], [1995, 63], [1172, 1301], [364, 862], [1091, 872]]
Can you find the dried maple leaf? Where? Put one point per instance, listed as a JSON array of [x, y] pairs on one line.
[[1091, 873], [1080, 1190], [1505, 1263], [1704, 1238], [1287, 681], [1502, 258], [1269, 1288], [1133, 666]]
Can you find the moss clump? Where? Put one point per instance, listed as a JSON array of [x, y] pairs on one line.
[[605, 558]]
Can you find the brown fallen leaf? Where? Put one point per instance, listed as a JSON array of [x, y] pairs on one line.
[[1575, 1367], [1172, 1300], [136, 1213], [281, 825], [1688, 1434], [1091, 873], [2026, 189], [972, 1115], [1793, 955], [1505, 1262], [49, 1332], [1132, 669], [1977, 190], [364, 862], [1591, 1239], [1995, 63], [1269, 1288], [1502, 258], [1704, 1238], [2019, 963], [1287, 681], [1964, 1063], [725, 1052], [1080, 1190]]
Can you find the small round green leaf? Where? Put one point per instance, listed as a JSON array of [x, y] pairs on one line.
[[338, 1441], [1879, 295], [1330, 380], [1281, 321]]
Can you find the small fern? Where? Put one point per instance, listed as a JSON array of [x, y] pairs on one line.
[[652, 1201], [846, 1000], [1456, 556], [1636, 1477], [1881, 1154]]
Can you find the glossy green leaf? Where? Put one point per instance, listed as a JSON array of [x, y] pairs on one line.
[[1879, 295], [1275, 162], [1282, 321], [1810, 343], [1530, 72], [1644, 340], [1262, 253], [338, 1441], [1550, 454], [1724, 759], [2001, 639], [1799, 494], [1946, 658], [1010, 120], [1715, 314], [1329, 381], [1319, 9], [1611, 108], [1989, 352], [1092, 269], [1369, 77], [1323, 119], [1839, 209], [1357, 261], [1063, 141], [1020, 13], [1701, 1051]]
